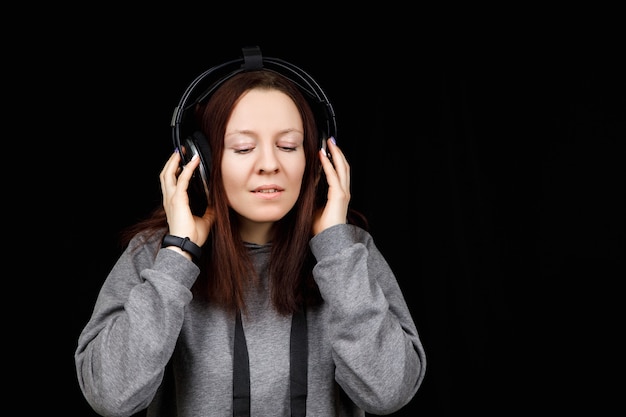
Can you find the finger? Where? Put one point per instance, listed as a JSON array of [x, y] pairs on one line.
[[329, 169], [167, 175], [189, 169], [341, 165], [173, 160]]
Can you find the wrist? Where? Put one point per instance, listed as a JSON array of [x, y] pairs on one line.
[[184, 244]]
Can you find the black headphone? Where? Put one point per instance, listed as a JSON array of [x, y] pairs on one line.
[[184, 126]]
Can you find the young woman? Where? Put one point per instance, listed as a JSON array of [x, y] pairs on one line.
[[273, 300]]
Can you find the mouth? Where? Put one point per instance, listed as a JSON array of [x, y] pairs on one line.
[[267, 191]]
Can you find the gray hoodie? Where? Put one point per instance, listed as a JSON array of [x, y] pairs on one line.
[[150, 344]]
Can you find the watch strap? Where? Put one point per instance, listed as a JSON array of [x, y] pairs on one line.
[[183, 243]]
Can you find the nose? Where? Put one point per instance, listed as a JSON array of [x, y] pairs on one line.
[[268, 161]]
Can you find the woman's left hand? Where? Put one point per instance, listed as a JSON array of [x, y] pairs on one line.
[[338, 178]]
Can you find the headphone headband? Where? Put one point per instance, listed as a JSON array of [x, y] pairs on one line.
[[252, 60]]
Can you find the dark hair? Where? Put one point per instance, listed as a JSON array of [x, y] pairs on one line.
[[226, 268]]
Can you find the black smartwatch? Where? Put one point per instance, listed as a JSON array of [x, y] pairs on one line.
[[183, 243]]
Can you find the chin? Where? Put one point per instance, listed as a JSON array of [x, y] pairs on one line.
[[264, 217], [269, 219]]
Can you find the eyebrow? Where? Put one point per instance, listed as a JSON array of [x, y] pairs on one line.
[[250, 132]]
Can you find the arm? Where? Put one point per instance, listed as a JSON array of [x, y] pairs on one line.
[[126, 344], [380, 361]]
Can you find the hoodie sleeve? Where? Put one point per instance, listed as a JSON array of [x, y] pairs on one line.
[[126, 344], [379, 358]]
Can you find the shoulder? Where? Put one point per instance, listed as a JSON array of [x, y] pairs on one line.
[[340, 236], [146, 242]]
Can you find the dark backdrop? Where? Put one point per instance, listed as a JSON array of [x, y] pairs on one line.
[[490, 164]]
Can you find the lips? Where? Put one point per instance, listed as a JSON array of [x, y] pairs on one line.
[[268, 189]]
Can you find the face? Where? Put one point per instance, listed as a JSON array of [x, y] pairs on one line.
[[263, 161]]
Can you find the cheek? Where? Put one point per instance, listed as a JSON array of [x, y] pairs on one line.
[[295, 167], [232, 175], [295, 175]]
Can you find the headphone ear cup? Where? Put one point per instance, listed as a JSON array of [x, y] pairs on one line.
[[198, 191], [204, 151]]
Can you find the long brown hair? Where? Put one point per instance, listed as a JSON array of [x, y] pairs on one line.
[[226, 268]]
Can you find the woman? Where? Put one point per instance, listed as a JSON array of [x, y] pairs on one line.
[[286, 308]]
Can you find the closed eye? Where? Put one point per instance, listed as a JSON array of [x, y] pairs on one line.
[[282, 148], [288, 148], [244, 151]]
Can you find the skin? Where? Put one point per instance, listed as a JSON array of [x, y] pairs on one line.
[[263, 151]]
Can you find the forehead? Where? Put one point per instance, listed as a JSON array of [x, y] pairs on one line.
[[265, 105]]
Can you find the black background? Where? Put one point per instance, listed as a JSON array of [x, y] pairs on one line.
[[489, 159]]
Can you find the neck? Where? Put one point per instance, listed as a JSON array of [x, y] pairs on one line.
[[258, 233]]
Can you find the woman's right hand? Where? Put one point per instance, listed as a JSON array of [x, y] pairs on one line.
[[174, 187]]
